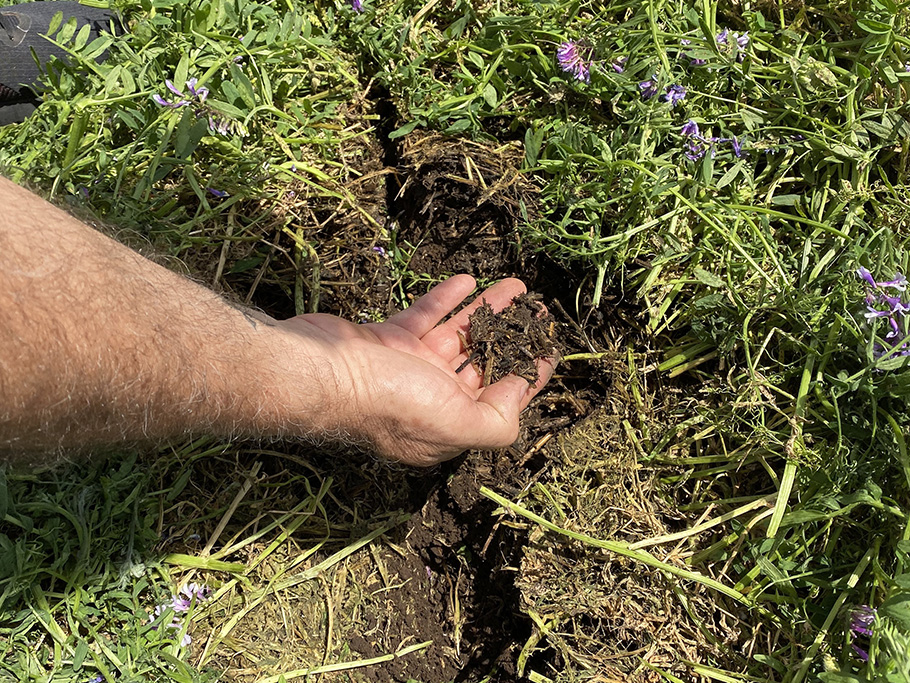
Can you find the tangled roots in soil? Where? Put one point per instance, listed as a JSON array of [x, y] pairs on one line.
[[459, 206]]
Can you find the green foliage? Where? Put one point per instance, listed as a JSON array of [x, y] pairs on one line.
[[79, 577], [743, 266]]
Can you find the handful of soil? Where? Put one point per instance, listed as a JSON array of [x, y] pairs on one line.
[[511, 341]]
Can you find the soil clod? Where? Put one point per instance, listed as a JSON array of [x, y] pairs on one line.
[[513, 340]]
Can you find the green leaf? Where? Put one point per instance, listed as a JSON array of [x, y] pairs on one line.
[[66, 31], [190, 132], [403, 130], [709, 279], [490, 96], [79, 654], [731, 174], [533, 141], [82, 37], [244, 86], [180, 73], [458, 126], [838, 677], [55, 23], [897, 609], [878, 28]]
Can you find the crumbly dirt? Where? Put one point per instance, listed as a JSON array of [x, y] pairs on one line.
[[512, 340]]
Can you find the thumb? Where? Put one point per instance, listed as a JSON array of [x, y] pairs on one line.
[[504, 399]]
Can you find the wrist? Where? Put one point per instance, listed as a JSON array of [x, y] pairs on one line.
[[291, 384]]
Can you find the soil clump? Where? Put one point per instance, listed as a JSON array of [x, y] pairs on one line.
[[511, 341]]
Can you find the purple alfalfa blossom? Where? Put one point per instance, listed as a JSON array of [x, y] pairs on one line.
[[196, 591], [695, 148], [180, 603], [161, 102], [742, 42], [689, 129], [648, 88], [738, 45], [685, 41], [866, 276], [737, 147], [184, 99], [221, 194], [199, 93], [881, 304], [619, 64], [899, 283], [697, 62], [862, 619], [674, 95], [357, 5], [572, 60], [196, 98]]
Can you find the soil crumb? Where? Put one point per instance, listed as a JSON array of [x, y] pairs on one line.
[[511, 341]]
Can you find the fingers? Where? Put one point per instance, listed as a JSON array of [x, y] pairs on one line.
[[425, 313], [444, 339], [506, 397], [545, 369]]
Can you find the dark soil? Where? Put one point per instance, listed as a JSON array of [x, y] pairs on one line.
[[512, 340]]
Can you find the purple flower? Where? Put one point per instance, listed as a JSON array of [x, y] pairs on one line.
[[742, 42], [196, 95], [170, 86], [866, 276], [861, 621], [685, 41], [199, 93], [648, 88], [357, 5], [694, 149], [181, 603], [379, 250], [899, 283], [161, 102], [698, 62], [721, 37], [674, 95], [689, 128], [572, 61], [199, 591], [737, 148], [879, 304], [619, 64], [221, 194]]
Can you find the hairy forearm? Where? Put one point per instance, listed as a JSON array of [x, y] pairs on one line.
[[99, 345]]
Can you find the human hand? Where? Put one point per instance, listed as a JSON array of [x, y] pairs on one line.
[[396, 381]]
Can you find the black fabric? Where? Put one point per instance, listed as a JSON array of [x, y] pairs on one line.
[[21, 29]]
